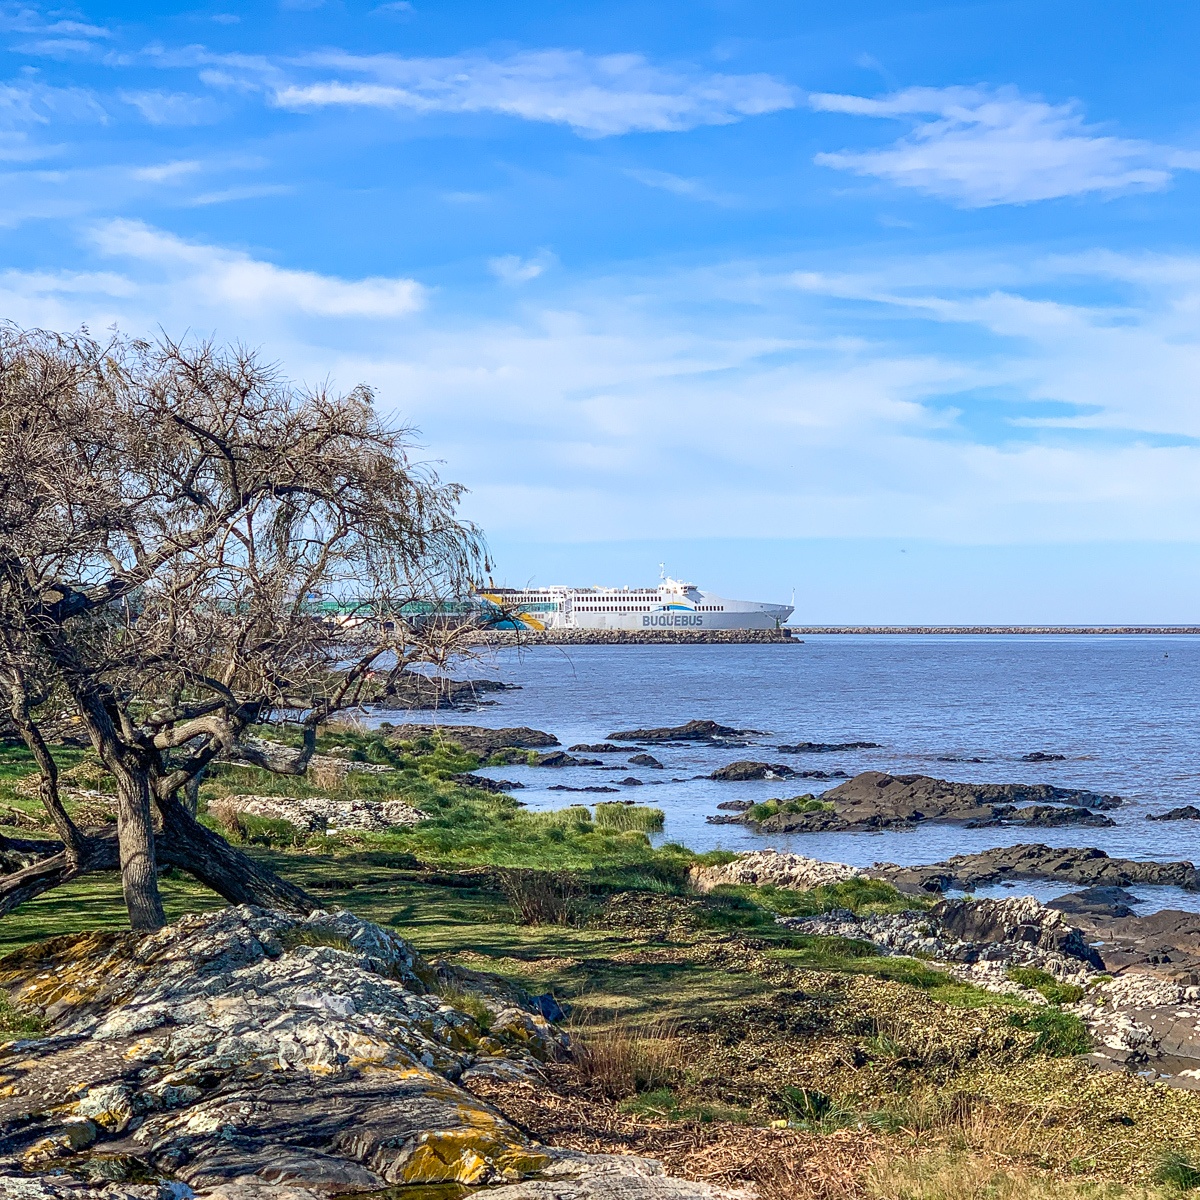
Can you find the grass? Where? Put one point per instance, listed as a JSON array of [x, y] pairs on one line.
[[629, 816], [797, 804], [696, 1009], [1059, 1034], [1045, 983]]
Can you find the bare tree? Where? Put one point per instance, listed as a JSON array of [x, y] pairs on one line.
[[190, 546]]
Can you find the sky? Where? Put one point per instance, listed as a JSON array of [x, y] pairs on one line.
[[892, 304]]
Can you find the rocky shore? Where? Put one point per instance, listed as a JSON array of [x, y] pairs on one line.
[[252, 1055], [875, 800]]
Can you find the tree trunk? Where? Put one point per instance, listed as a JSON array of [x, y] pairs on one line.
[[214, 862], [98, 854], [135, 836]]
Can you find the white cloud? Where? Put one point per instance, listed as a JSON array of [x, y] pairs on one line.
[[597, 96], [173, 108], [771, 397], [512, 268], [229, 278], [980, 147], [170, 172]]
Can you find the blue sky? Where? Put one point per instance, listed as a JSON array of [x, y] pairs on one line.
[[897, 304]]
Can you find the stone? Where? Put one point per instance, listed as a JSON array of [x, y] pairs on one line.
[[598, 748], [1096, 901], [560, 758], [772, 867], [476, 739], [1087, 866], [310, 1052], [485, 784], [646, 760], [745, 769], [318, 813], [693, 731], [1038, 756], [826, 747], [1186, 812]]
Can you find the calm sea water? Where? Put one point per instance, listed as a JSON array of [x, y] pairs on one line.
[[1125, 711]]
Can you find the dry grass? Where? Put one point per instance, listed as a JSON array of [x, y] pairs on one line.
[[618, 1061], [779, 1164], [226, 815], [983, 1177]]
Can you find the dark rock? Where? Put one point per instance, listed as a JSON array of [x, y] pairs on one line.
[[1086, 866], [820, 775], [475, 738], [950, 758], [560, 758], [631, 781], [826, 747], [983, 922], [903, 797], [562, 787], [876, 800], [736, 805], [1189, 812], [646, 760], [1047, 816], [744, 769], [1042, 756], [693, 731], [598, 748], [412, 689], [484, 784], [1096, 901], [549, 1007]]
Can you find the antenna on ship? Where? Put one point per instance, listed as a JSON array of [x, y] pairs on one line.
[[662, 572]]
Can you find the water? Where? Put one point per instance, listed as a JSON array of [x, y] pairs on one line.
[[1123, 710]]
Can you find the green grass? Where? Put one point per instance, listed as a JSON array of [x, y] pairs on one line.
[[629, 816], [861, 896], [797, 804], [1059, 1034], [1045, 983]]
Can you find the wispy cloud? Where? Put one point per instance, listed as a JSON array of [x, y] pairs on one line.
[[169, 172], [596, 96], [678, 185], [245, 284], [979, 147], [173, 108], [512, 268]]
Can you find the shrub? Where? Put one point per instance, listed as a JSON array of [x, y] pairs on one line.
[[542, 897]]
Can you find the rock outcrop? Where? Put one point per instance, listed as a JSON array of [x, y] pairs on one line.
[[314, 814], [826, 747], [772, 867], [743, 769], [1086, 866], [876, 800], [475, 739], [693, 731], [1186, 812], [982, 938], [252, 1055]]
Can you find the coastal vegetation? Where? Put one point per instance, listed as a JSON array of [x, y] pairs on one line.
[[697, 1018]]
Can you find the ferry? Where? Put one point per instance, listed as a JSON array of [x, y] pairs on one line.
[[673, 604]]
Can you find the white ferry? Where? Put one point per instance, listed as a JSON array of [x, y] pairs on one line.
[[673, 604]]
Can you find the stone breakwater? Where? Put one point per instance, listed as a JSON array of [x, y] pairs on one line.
[[254, 1055], [978, 629], [633, 637]]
